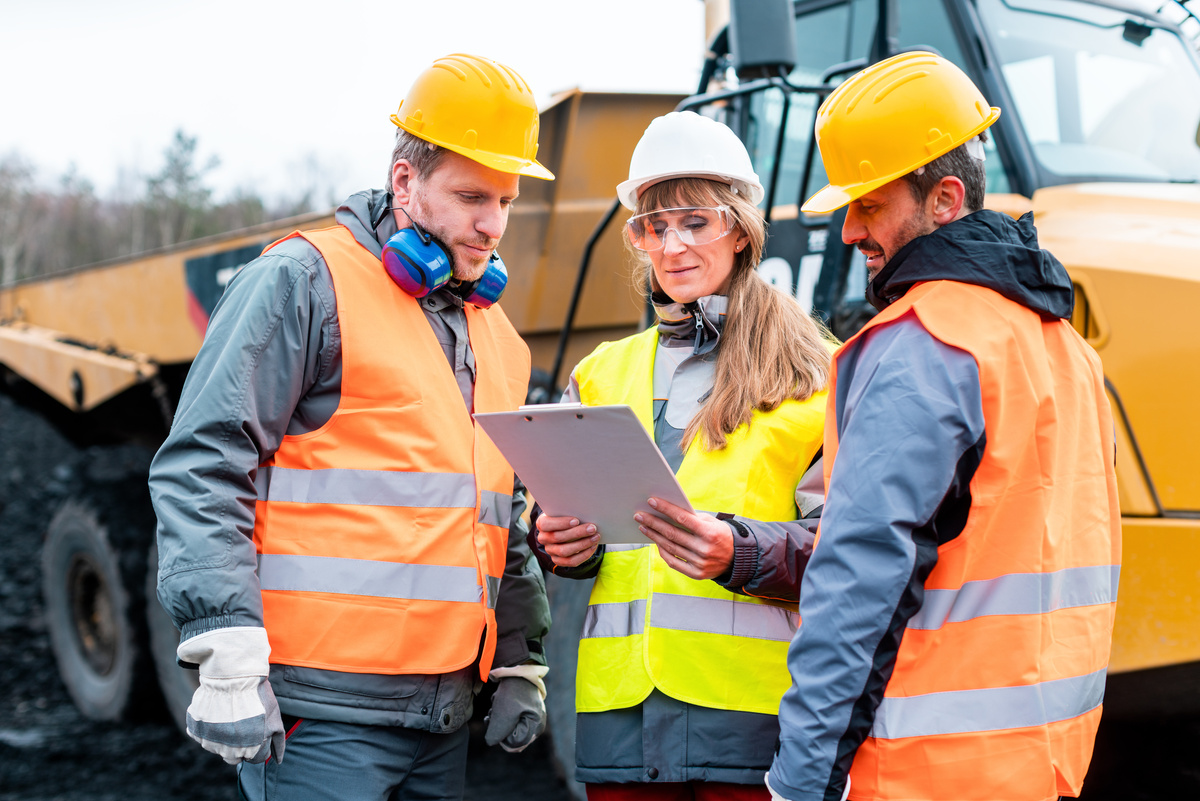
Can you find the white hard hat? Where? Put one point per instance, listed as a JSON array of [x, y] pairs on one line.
[[685, 144]]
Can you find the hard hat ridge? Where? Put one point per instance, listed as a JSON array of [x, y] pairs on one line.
[[478, 108]]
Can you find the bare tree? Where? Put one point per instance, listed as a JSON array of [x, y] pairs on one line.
[[22, 218], [43, 230], [177, 197]]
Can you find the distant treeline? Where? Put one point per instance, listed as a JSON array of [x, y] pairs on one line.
[[46, 230]]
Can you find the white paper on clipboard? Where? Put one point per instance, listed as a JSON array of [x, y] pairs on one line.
[[596, 463]]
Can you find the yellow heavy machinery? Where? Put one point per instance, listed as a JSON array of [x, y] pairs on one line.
[[101, 351], [1100, 139]]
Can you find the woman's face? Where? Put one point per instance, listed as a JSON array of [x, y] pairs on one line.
[[688, 272]]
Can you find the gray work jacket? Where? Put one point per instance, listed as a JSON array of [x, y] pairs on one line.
[[270, 366]]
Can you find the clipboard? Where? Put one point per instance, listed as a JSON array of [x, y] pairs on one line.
[[596, 463]]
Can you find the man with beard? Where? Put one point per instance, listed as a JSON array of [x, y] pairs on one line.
[[957, 608], [339, 545]]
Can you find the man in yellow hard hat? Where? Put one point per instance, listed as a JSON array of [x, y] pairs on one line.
[[958, 606], [340, 547]]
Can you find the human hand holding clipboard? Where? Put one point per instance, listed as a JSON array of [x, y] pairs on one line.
[[592, 469], [567, 541], [696, 544]]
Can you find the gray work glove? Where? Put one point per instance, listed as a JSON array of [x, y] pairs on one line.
[[518, 713], [234, 713]]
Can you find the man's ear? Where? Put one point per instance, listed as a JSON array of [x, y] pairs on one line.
[[402, 178], [946, 200]]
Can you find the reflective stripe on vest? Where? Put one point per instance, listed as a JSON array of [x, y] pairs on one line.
[[1004, 663], [690, 613], [650, 624], [1019, 594], [367, 487], [992, 709], [614, 620], [382, 488], [332, 574], [382, 535]]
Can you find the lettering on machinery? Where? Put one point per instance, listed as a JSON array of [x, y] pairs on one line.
[[801, 280]]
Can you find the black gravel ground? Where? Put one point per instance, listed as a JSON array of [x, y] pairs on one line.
[[48, 751]]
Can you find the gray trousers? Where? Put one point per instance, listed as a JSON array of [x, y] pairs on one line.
[[326, 761]]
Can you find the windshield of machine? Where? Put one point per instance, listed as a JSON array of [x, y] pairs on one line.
[[1100, 93]]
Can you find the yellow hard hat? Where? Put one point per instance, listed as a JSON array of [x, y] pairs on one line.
[[890, 119], [477, 108]]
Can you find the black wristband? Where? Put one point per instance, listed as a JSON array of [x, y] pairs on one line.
[[745, 553]]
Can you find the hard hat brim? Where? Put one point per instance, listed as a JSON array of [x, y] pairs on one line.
[[831, 198], [628, 191], [501, 163], [507, 164]]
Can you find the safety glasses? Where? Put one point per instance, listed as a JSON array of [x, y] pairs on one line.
[[694, 225]]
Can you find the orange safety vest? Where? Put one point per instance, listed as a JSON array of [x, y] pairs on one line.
[[999, 678], [382, 535]]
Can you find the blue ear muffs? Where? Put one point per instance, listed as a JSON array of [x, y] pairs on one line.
[[416, 262], [490, 286], [419, 265]]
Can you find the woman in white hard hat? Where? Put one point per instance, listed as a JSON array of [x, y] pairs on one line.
[[683, 656]]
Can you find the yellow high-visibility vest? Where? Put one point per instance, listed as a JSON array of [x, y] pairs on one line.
[[650, 626]]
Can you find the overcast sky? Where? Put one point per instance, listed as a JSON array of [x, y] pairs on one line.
[[271, 87]]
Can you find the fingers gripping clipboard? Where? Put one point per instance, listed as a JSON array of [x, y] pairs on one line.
[[596, 463]]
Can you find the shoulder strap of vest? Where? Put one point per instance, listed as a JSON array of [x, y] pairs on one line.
[[621, 372], [319, 232], [895, 310], [337, 238]]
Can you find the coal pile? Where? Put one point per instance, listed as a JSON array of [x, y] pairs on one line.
[[48, 750]]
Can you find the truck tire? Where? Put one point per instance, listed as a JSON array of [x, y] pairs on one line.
[[568, 606], [177, 684], [93, 608]]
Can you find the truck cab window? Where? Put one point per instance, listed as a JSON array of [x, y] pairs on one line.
[[1099, 93]]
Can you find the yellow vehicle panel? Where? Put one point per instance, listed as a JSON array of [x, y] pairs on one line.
[[1159, 594], [137, 305], [1134, 250]]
